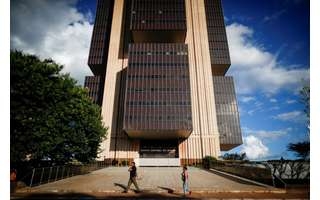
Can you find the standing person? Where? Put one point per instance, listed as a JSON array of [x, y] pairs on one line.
[[133, 177], [185, 180], [13, 180]]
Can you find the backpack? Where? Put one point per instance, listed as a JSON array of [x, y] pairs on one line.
[[183, 177]]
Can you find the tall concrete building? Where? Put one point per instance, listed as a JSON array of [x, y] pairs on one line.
[[159, 75]]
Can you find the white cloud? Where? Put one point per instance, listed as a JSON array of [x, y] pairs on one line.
[[258, 104], [294, 116], [254, 148], [253, 141], [274, 16], [257, 107], [273, 100], [271, 134], [250, 112], [247, 99], [290, 101], [53, 29], [256, 69], [274, 108], [266, 134]]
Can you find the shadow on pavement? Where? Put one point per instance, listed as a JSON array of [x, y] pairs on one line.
[[170, 191], [121, 185], [83, 196], [125, 187], [297, 194], [53, 196]]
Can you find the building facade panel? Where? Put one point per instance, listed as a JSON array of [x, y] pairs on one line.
[[100, 37], [158, 15], [227, 112], [157, 91], [94, 84], [158, 21], [218, 43], [116, 145], [205, 129]]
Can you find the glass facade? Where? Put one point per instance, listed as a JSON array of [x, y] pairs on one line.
[[159, 149], [95, 86], [227, 112], [155, 106], [218, 43], [158, 15], [158, 21], [100, 37], [158, 90]]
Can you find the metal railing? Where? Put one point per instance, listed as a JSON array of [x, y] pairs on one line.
[[43, 175], [287, 173]]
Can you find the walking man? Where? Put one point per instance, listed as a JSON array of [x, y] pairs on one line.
[[133, 177]]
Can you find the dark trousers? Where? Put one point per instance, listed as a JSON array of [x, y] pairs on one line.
[[13, 186], [134, 181]]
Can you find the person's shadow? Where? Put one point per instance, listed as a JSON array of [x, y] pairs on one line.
[[121, 185], [170, 191], [124, 187]]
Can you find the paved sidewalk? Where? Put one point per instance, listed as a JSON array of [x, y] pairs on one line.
[[153, 179], [156, 183]]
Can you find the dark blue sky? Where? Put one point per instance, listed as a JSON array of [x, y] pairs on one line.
[[282, 25], [85, 6]]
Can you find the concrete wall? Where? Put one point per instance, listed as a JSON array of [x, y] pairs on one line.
[[204, 140]]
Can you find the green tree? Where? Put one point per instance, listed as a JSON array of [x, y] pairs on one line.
[[302, 149], [305, 100], [51, 117], [208, 162]]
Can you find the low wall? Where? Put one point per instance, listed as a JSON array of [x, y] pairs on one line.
[[259, 174]]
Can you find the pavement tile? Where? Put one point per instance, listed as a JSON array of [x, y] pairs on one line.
[[162, 182], [160, 179]]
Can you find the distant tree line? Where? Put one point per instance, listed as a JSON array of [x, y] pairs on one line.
[[234, 156]]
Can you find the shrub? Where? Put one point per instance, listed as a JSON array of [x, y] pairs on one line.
[[124, 163], [208, 161]]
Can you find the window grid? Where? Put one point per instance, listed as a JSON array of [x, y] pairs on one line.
[[227, 110], [168, 107]]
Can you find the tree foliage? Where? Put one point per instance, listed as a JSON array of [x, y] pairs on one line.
[[290, 169], [51, 117], [302, 149], [235, 156], [208, 162], [305, 100]]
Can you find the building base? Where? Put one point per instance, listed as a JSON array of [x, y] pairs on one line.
[[157, 162]]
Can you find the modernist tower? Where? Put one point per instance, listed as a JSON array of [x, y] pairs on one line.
[[159, 76]]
